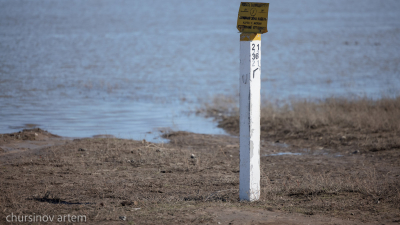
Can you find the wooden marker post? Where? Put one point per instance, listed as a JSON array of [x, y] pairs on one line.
[[252, 22]]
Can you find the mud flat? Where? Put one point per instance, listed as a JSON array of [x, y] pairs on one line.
[[330, 162]]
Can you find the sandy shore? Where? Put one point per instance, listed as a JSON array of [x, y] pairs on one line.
[[313, 172]]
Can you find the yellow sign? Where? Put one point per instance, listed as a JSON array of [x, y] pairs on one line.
[[253, 17]]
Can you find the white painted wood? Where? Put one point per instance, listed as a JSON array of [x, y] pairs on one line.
[[250, 71]]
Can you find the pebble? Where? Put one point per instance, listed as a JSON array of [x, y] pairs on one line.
[[122, 217], [81, 149], [192, 156]]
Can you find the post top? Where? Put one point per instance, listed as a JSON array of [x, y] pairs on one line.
[[250, 37], [253, 17]]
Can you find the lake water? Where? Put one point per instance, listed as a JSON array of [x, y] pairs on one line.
[[129, 68]]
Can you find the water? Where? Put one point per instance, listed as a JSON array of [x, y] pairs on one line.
[[127, 68]]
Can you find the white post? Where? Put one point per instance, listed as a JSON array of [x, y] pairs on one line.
[[250, 71]]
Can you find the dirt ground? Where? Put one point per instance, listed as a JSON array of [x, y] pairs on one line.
[[313, 171]]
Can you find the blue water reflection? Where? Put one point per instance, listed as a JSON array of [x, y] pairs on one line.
[[126, 68]]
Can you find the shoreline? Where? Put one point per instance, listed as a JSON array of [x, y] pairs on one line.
[[331, 171]]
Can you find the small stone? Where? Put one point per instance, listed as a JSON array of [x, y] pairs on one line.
[[122, 217], [357, 151], [128, 161], [230, 156], [192, 156], [126, 203], [81, 149], [36, 134], [159, 150]]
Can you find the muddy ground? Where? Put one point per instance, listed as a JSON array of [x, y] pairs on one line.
[[332, 162]]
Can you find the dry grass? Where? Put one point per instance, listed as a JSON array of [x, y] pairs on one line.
[[369, 129], [361, 113], [330, 189], [362, 123]]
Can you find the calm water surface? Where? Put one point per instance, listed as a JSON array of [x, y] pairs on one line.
[[128, 68]]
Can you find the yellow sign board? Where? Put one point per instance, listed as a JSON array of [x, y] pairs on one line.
[[253, 17]]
